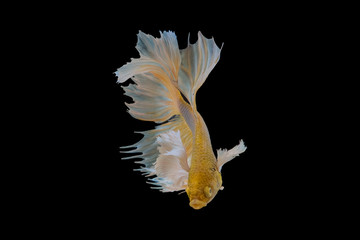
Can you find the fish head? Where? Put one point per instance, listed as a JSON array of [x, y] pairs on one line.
[[203, 188]]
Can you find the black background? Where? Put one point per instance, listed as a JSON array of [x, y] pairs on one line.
[[254, 93], [278, 86]]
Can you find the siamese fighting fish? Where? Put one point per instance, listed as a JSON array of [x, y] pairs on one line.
[[177, 154]]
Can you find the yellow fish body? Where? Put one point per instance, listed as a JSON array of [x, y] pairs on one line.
[[176, 155]]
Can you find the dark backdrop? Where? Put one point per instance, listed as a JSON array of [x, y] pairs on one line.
[[253, 93]]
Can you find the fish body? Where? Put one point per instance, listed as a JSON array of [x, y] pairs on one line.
[[203, 171], [176, 155]]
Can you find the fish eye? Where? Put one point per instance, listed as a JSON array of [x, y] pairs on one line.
[[208, 192]]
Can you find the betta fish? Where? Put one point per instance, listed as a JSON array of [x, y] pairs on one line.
[[177, 154]]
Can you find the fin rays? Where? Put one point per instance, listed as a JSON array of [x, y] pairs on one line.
[[224, 156], [160, 76], [197, 61]]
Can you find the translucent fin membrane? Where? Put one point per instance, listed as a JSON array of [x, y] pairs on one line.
[[160, 75]]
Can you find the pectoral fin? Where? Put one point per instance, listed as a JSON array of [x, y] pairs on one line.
[[224, 156]]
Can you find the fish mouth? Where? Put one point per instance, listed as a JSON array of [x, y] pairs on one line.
[[197, 204]]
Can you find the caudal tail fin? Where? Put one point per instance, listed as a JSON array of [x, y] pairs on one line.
[[155, 75], [197, 61]]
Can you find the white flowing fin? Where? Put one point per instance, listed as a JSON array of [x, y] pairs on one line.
[[155, 92], [197, 61], [171, 167], [224, 156], [156, 96], [160, 56]]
